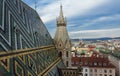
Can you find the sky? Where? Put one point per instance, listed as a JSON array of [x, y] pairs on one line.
[[85, 18]]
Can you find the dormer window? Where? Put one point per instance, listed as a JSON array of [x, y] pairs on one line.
[[100, 64], [104, 64], [90, 64], [86, 63], [95, 64]]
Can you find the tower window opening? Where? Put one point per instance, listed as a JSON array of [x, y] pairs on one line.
[[60, 54], [67, 54], [67, 63]]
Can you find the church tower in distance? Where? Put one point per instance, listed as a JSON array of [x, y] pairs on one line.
[[62, 40]]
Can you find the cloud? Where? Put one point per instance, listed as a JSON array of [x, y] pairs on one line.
[[71, 8], [101, 19], [82, 15], [95, 33]]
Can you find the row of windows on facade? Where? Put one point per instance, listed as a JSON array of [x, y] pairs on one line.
[[75, 73], [70, 72], [95, 64], [98, 75], [95, 70]]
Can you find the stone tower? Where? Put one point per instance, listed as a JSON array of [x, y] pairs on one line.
[[62, 40]]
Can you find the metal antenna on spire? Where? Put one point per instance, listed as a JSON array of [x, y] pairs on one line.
[[35, 4], [61, 11]]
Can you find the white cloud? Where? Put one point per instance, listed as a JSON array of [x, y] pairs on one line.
[[77, 8], [71, 8], [95, 33], [101, 20]]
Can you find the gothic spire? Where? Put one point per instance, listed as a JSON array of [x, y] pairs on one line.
[[61, 20], [62, 40], [61, 12]]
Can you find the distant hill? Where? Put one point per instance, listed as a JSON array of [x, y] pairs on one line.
[[94, 39]]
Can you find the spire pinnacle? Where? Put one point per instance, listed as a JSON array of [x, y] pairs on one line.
[[61, 20], [61, 11]]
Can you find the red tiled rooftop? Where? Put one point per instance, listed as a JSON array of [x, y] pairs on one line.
[[92, 62]]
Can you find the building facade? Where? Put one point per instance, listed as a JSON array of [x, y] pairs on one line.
[[116, 62], [62, 40], [94, 66], [68, 72]]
